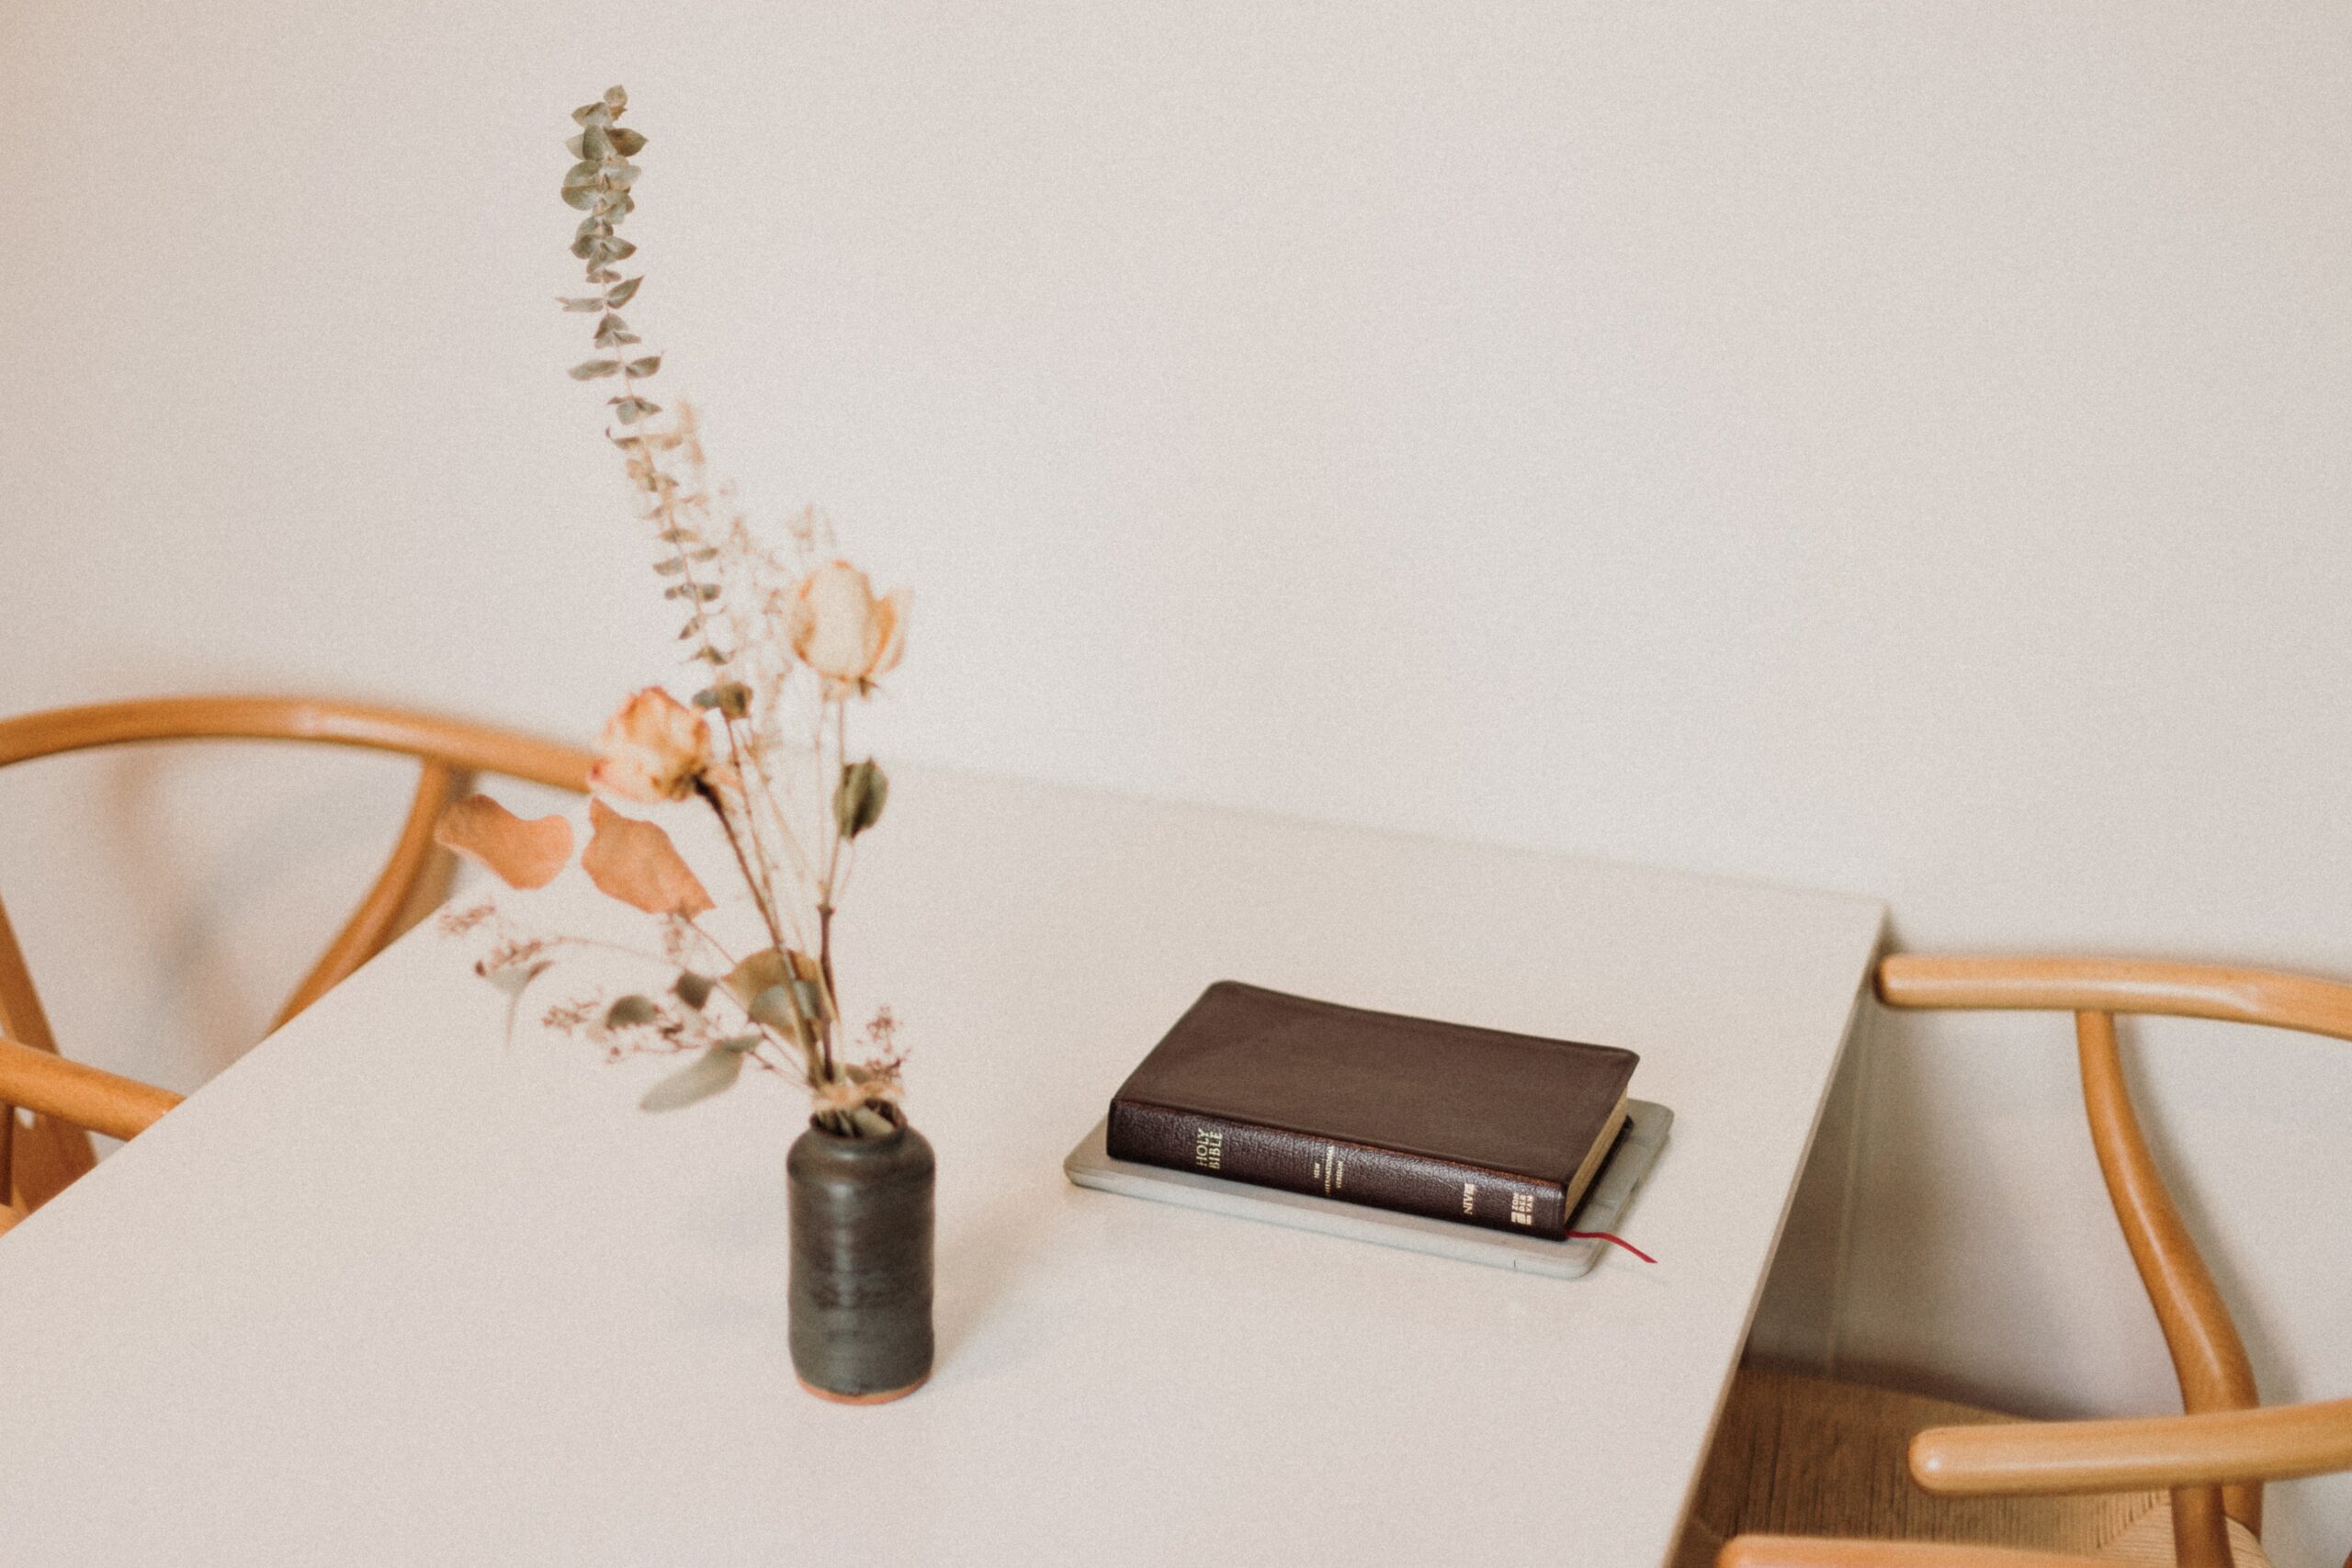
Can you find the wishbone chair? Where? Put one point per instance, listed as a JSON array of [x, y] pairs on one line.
[[68, 1100], [2213, 1459]]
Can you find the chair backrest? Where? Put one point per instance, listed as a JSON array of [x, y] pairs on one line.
[[2209, 1358], [37, 1161]]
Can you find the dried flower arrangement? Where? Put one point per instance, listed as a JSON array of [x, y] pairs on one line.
[[788, 643]]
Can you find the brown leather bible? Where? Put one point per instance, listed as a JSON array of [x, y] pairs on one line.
[[1438, 1119]]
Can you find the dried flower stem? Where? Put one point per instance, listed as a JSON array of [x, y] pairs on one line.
[[853, 637]]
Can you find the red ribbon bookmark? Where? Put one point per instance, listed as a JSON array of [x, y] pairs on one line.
[[1619, 1240]]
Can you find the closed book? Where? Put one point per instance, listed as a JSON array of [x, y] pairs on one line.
[[1457, 1122]]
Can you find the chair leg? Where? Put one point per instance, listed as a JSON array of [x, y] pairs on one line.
[[2200, 1531], [49, 1156], [44, 1158]]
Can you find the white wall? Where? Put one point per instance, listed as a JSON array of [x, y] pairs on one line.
[[1897, 448]]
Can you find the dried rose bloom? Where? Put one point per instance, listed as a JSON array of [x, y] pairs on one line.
[[655, 749], [843, 632]]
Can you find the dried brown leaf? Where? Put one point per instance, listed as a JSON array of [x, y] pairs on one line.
[[635, 863], [521, 854]]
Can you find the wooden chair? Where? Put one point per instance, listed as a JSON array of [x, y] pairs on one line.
[[1996, 1491], [69, 1100]]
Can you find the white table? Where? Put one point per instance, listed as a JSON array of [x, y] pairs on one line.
[[388, 1293]]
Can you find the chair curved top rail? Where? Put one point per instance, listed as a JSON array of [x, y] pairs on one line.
[[467, 746], [2107, 985], [2282, 1442]]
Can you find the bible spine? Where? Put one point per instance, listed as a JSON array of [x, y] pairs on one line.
[[1325, 1167]]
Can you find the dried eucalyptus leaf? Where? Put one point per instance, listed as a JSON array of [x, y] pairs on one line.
[[515, 978], [589, 369], [631, 1010], [626, 142], [586, 172], [713, 1072], [774, 1007], [590, 303], [581, 197], [860, 796], [622, 293], [595, 142], [628, 411], [617, 98], [729, 697], [693, 990], [645, 366], [669, 567]]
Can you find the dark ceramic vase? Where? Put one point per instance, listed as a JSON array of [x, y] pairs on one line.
[[861, 1264]]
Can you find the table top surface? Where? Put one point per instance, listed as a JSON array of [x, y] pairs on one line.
[[395, 1289]]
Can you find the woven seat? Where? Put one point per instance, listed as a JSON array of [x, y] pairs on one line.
[[1809, 1456], [2148, 1543], [1798, 1455]]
